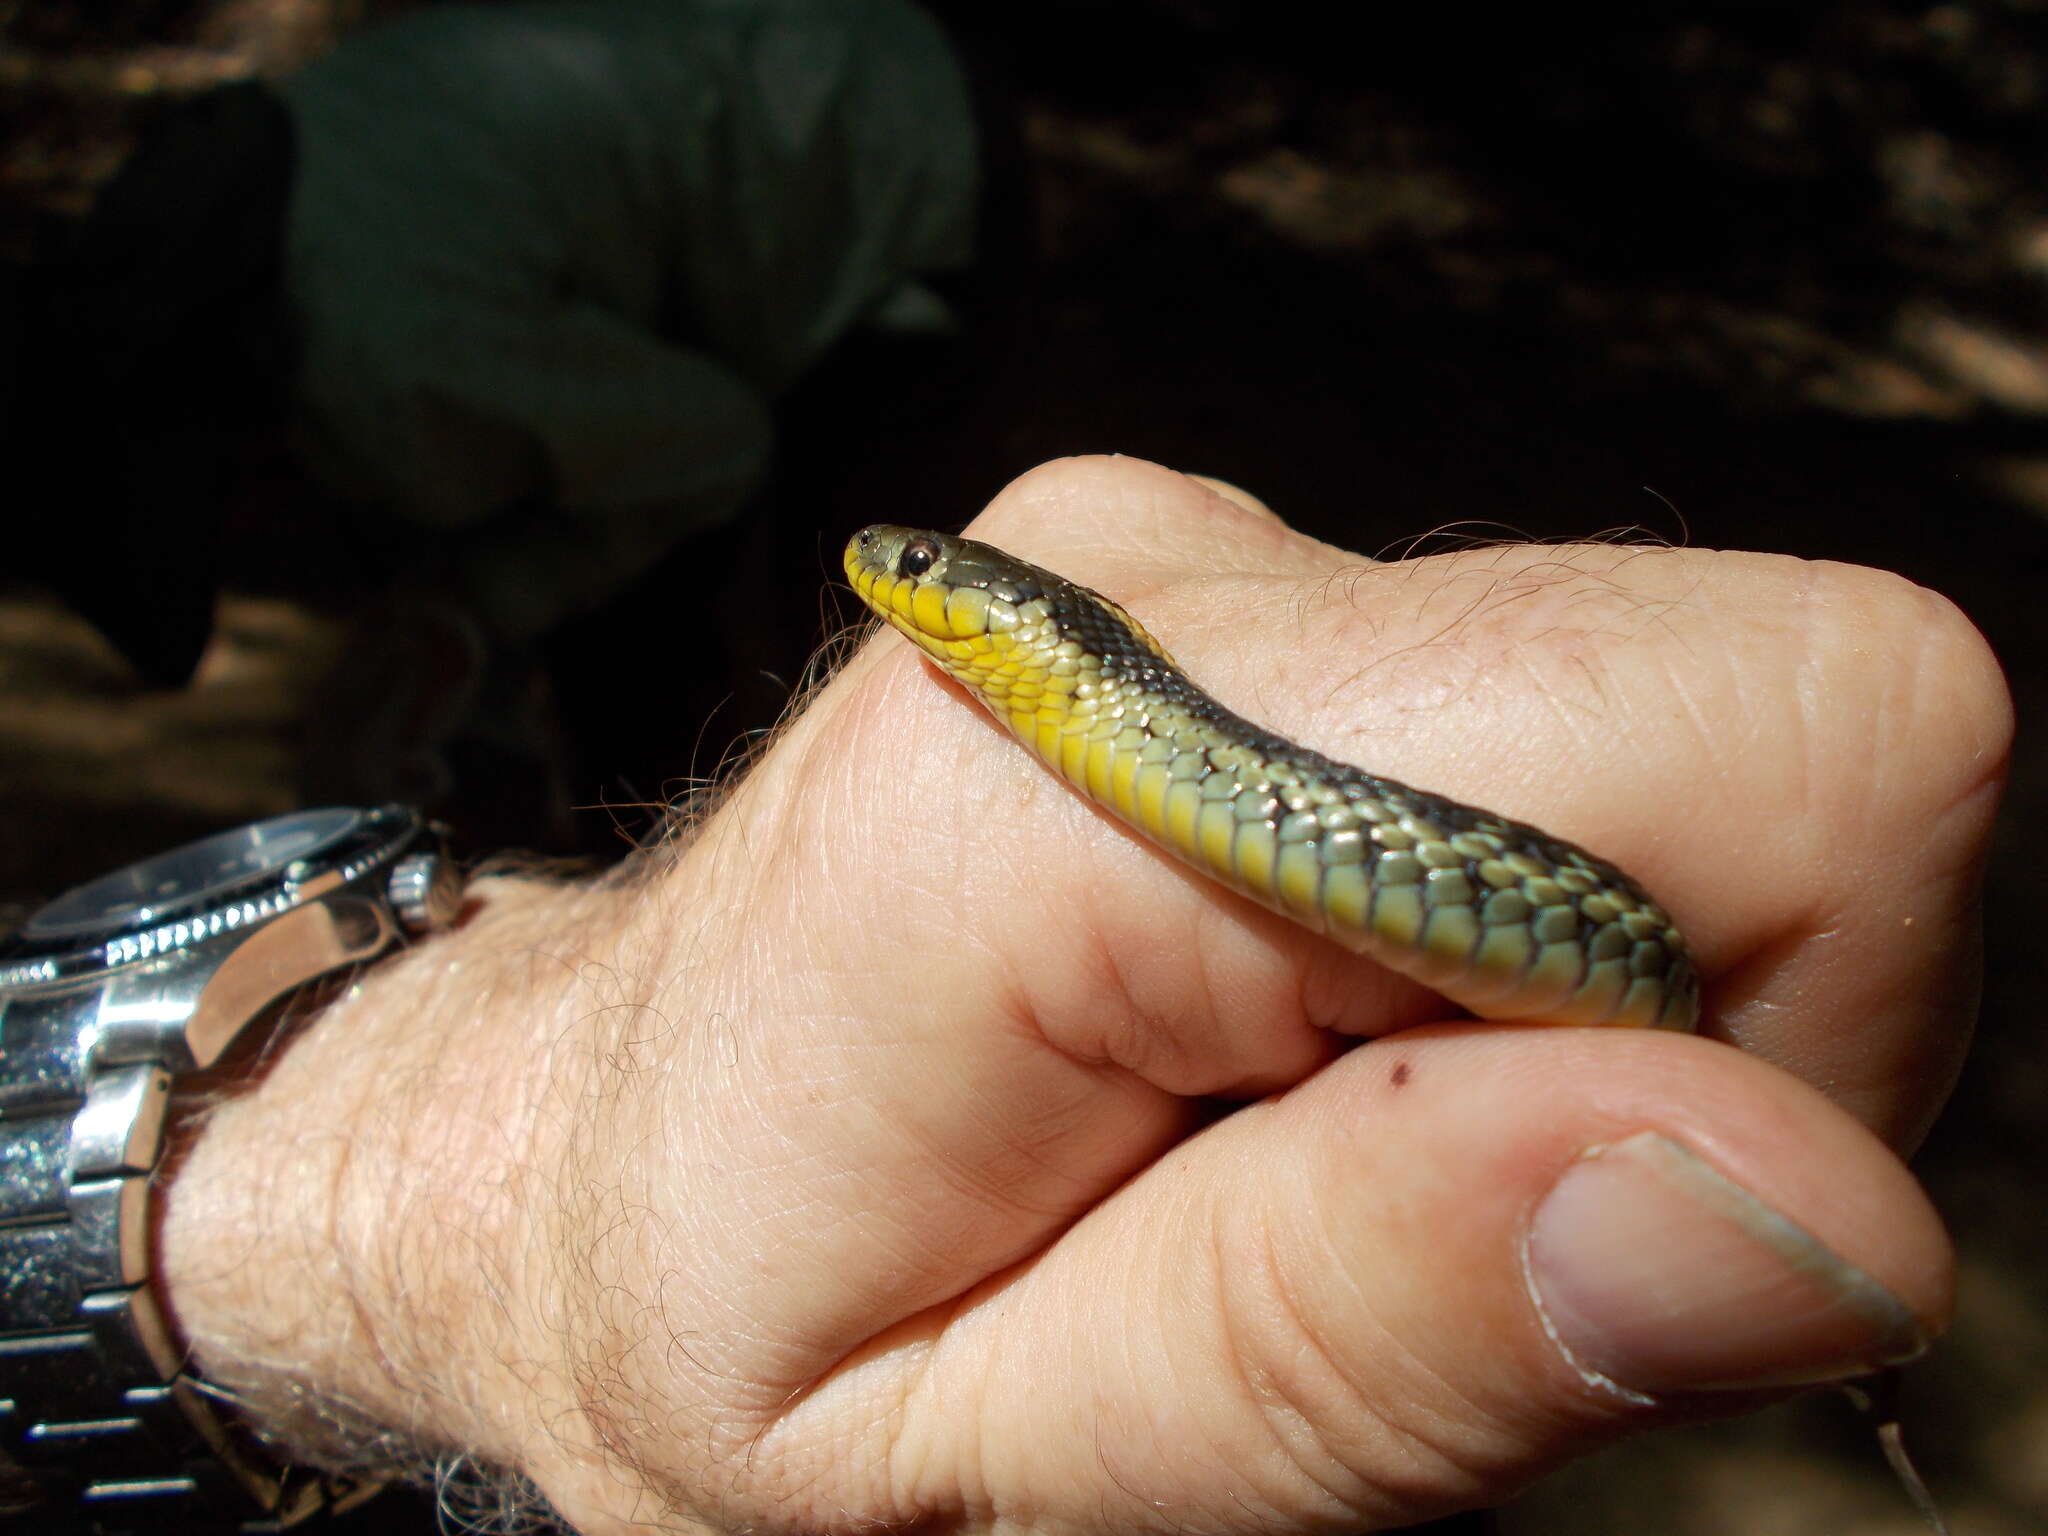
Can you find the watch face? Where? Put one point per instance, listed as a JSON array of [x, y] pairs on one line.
[[188, 878]]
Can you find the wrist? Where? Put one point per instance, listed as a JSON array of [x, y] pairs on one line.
[[348, 1243]]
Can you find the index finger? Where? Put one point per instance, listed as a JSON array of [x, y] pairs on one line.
[[1800, 759]]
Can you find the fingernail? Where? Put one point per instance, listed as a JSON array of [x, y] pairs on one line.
[[1229, 492], [1657, 1273]]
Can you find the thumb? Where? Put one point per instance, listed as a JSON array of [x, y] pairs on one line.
[[1423, 1277]]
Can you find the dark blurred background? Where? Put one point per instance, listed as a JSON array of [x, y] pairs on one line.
[[1770, 277]]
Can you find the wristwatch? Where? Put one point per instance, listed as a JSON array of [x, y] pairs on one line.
[[108, 995]]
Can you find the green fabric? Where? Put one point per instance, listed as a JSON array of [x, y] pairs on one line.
[[551, 263]]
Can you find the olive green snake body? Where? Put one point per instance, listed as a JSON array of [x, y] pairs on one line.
[[1498, 916]]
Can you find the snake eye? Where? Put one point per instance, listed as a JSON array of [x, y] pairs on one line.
[[917, 557]]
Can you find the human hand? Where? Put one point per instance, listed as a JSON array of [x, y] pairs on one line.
[[853, 1165]]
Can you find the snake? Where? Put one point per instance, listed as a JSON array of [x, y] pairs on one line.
[[1498, 917]]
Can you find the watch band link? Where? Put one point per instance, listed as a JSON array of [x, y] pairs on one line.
[[100, 1416]]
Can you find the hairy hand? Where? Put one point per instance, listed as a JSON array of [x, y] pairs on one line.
[[860, 1161]]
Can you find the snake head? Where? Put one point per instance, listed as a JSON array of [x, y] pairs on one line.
[[956, 598], [939, 590]]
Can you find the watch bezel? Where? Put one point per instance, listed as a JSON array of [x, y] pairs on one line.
[[377, 838]]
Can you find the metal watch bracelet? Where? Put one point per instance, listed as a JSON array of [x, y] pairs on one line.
[[100, 1417]]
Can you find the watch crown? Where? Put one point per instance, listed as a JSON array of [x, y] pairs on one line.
[[425, 892]]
